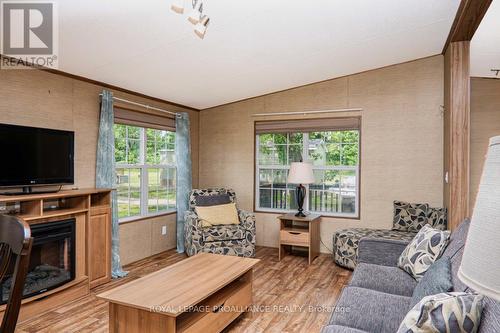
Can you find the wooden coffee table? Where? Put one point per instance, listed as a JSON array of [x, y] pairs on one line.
[[203, 293]]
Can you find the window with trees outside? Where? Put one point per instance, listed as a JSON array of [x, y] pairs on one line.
[[335, 159], [145, 171]]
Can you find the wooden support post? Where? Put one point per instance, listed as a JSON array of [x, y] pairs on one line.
[[457, 132]]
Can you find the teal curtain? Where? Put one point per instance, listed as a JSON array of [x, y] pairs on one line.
[[106, 175], [184, 174]]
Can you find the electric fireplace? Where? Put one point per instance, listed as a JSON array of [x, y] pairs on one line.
[[52, 260]]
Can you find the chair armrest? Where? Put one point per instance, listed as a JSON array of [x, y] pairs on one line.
[[247, 219], [192, 219], [379, 251]]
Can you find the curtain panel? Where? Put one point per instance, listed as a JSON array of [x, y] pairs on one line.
[[106, 175]]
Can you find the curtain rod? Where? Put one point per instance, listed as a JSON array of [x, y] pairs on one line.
[[304, 112], [148, 107]]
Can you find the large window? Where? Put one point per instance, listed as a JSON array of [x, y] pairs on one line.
[[145, 170], [335, 158]]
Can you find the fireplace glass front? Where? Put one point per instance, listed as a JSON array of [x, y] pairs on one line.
[[52, 260]]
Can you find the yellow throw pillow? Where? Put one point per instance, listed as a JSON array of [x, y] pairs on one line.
[[217, 215]]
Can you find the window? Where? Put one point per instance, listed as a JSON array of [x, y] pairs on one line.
[[335, 158], [145, 171]]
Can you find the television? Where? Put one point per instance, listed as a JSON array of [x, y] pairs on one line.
[[35, 156]]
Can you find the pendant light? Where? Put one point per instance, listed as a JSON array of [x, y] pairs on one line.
[[195, 16], [178, 6], [201, 27]]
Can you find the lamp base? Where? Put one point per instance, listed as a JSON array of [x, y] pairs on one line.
[[300, 214], [301, 194]]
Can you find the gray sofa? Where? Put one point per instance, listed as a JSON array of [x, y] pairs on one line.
[[378, 295]]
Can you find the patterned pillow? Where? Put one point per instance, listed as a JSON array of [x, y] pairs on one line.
[[423, 250], [409, 216], [438, 218], [444, 313]]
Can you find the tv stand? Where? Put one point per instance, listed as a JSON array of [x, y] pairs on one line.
[[29, 190], [91, 209]]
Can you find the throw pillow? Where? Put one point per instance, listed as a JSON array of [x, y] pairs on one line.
[[438, 218], [409, 216], [217, 215], [423, 250], [212, 200], [436, 280], [444, 313]]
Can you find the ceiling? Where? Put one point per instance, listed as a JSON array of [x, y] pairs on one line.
[[485, 45], [252, 47]]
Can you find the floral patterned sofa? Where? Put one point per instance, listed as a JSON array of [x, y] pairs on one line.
[[408, 219], [236, 240]]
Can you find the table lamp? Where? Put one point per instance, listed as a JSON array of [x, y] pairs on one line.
[[480, 267], [301, 173]]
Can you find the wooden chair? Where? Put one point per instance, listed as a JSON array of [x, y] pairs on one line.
[[15, 249]]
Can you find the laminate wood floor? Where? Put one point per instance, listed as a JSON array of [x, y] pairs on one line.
[[288, 296]]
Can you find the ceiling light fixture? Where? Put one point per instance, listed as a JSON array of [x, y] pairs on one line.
[[201, 27], [178, 6], [195, 17]]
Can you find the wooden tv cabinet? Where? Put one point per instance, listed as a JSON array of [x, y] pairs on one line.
[[91, 209]]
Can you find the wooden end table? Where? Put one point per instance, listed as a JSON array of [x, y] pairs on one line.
[[299, 231], [203, 293]]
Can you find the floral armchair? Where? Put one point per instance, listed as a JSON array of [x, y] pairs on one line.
[[234, 239]]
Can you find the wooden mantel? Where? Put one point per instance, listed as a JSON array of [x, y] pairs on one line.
[[91, 209]]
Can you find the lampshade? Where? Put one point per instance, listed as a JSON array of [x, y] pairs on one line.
[[301, 173], [480, 267]]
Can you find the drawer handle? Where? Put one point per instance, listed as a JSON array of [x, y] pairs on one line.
[[216, 309], [294, 233]]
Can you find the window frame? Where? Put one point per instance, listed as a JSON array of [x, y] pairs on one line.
[[144, 167], [355, 216]]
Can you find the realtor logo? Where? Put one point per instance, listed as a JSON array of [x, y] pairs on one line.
[[29, 34]]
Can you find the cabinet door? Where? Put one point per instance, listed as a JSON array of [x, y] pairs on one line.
[[99, 246]]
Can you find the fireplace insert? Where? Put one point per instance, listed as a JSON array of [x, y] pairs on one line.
[[52, 260]]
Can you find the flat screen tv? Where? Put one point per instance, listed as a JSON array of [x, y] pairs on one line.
[[34, 156]]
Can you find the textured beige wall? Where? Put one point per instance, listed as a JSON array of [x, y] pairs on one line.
[[485, 123], [401, 140], [38, 98]]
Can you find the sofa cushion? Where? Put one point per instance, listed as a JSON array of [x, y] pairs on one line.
[[423, 250], [218, 215], [341, 329], [436, 280], [346, 242], [457, 239], [370, 310], [409, 216], [458, 285], [212, 200], [237, 247], [391, 280], [196, 193], [454, 251], [437, 218], [446, 312], [223, 232], [490, 318]]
